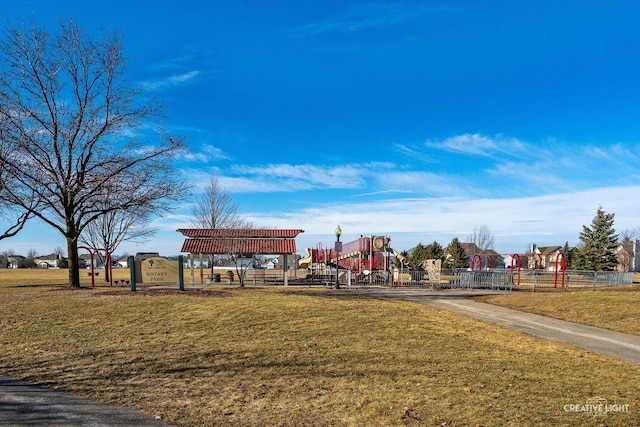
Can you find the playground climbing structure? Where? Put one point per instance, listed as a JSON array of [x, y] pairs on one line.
[[366, 258]]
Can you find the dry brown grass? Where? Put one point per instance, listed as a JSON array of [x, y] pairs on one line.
[[615, 308], [288, 357], [28, 277]]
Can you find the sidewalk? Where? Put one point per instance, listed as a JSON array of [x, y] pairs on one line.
[[603, 341], [26, 404]]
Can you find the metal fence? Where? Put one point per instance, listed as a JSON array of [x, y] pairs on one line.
[[573, 279], [495, 280], [507, 280], [528, 280], [456, 279]]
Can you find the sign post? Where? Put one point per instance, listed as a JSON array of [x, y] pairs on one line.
[[131, 262]]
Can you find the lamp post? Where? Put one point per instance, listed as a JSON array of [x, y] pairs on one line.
[[338, 249]]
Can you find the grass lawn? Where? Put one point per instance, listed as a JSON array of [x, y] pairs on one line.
[[615, 308], [288, 357]]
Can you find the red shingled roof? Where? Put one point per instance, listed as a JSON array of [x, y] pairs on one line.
[[239, 241], [240, 232], [239, 246]]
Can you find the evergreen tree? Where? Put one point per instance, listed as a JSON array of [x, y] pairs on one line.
[[567, 254], [599, 244], [434, 251], [457, 255], [422, 253], [418, 254]]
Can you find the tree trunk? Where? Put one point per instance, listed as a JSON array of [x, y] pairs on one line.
[[74, 262]]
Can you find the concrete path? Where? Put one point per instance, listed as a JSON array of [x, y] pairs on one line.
[[26, 404], [614, 344]]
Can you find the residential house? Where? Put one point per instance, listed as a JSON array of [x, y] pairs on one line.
[[470, 249], [15, 261], [627, 256], [122, 262], [85, 260], [291, 261], [49, 261], [204, 262], [488, 258], [545, 257], [270, 264], [141, 256], [491, 259], [511, 261]]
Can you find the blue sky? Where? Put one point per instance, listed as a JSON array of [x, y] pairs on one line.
[[418, 120]]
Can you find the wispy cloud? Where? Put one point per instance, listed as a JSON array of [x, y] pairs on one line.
[[528, 168], [413, 151], [363, 17], [291, 177], [516, 222], [373, 178], [423, 183], [184, 58], [205, 154], [545, 169], [623, 151], [479, 145], [545, 193], [170, 81]]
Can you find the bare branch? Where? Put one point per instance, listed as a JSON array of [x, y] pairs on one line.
[[214, 209], [482, 237], [67, 117]]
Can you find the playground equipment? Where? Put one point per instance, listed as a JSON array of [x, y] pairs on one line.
[[364, 253], [559, 255], [364, 256], [368, 258], [108, 265]]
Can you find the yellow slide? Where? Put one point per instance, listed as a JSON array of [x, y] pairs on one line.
[[306, 262]]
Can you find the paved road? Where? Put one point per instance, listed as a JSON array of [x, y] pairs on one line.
[[615, 344], [26, 404]]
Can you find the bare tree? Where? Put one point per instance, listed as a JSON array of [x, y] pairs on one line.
[[108, 231], [625, 237], [215, 209], [16, 221], [482, 237], [15, 216], [59, 251], [73, 124], [243, 252]]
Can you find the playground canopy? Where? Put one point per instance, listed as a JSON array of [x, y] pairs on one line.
[[246, 241]]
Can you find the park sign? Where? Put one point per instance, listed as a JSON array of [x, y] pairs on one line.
[[159, 270]]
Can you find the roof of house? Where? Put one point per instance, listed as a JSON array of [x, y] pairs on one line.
[[622, 249], [548, 250], [51, 257], [470, 248]]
